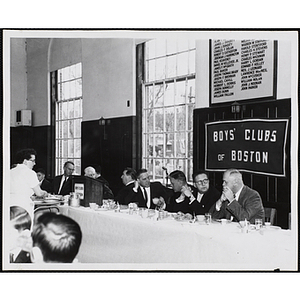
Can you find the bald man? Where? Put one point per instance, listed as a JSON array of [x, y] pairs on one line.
[[237, 200]]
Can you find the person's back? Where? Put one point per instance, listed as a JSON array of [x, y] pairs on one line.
[[56, 238]]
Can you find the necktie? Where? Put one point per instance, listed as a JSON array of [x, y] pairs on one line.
[[62, 186], [146, 198]]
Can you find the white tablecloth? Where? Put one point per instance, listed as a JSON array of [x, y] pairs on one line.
[[119, 240]]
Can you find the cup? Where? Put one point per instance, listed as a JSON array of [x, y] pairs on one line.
[[223, 221], [267, 222], [93, 206], [208, 218], [244, 226], [258, 224], [200, 218]]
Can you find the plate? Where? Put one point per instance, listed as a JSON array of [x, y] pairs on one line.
[[57, 198], [46, 202], [274, 227]]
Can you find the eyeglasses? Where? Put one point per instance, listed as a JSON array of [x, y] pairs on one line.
[[204, 181]]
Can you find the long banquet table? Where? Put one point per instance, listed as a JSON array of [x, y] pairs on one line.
[[120, 240]]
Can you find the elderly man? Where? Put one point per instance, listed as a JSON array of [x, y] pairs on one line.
[[206, 195], [237, 201], [149, 194], [62, 184], [91, 172], [183, 194]]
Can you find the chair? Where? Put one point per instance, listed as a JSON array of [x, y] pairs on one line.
[[270, 214]]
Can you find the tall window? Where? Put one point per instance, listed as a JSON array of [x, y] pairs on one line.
[[68, 117], [168, 103]]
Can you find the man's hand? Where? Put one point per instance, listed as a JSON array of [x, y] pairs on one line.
[[186, 191], [228, 194]]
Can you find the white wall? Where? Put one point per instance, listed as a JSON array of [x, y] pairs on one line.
[[108, 66], [18, 77]]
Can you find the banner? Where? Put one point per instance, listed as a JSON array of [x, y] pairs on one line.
[[252, 145]]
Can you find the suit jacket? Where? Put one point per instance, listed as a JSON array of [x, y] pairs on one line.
[[249, 206], [107, 192], [23, 257], [207, 201], [156, 190], [126, 194], [183, 206], [46, 186], [66, 189]]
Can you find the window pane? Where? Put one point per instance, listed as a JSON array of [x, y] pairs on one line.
[[160, 47], [77, 108], [64, 107], [71, 148], [158, 146], [191, 94], [150, 75], [64, 129], [170, 144], [182, 63], [180, 118], [149, 96], [171, 46], [192, 62], [169, 119], [180, 144], [160, 71], [150, 49], [158, 95], [149, 120], [77, 129], [182, 44], [71, 109], [77, 148], [169, 94], [171, 66], [159, 121], [180, 92]]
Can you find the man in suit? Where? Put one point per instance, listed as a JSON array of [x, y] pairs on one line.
[[44, 183], [237, 201], [126, 194], [62, 184], [206, 194], [149, 194], [183, 194]]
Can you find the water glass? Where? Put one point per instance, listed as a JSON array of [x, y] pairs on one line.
[[208, 218], [258, 224]]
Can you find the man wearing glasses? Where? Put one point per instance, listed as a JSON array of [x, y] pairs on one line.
[[206, 196], [62, 184]]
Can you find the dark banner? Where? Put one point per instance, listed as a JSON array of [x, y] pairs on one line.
[[253, 145]]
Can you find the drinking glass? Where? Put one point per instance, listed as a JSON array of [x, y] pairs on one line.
[[258, 224], [208, 218]]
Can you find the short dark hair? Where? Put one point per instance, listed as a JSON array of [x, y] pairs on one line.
[[68, 162], [41, 170], [24, 154], [179, 175], [140, 171], [57, 236], [200, 172], [20, 218], [130, 172]]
